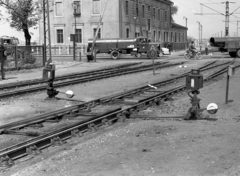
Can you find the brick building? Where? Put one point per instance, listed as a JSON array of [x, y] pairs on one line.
[[121, 19]]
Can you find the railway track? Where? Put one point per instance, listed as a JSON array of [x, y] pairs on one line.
[[92, 121], [81, 78], [67, 76]]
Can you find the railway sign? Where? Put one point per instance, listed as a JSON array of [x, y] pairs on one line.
[[152, 53]]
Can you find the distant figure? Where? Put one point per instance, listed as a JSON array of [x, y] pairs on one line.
[[200, 48], [3, 57], [206, 50], [192, 48]]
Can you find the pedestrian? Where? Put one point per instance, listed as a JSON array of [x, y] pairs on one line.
[[206, 50], [3, 57]]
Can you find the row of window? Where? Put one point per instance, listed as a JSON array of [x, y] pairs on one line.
[[60, 35], [174, 36], [157, 13], [96, 7]]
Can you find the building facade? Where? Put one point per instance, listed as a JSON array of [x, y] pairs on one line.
[[121, 19]]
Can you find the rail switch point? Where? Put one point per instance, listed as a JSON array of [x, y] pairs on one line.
[[49, 76]]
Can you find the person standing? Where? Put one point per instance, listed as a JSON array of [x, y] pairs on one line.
[[3, 57]]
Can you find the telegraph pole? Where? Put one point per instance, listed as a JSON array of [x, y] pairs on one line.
[[227, 14], [47, 35], [199, 28], [201, 33], [237, 28], [186, 20], [227, 19]]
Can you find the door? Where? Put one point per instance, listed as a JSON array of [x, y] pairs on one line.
[[142, 45]]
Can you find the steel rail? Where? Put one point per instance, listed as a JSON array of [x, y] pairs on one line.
[[67, 76], [81, 80], [34, 146], [69, 110]]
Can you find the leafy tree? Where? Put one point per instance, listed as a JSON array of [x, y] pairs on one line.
[[23, 15], [190, 38], [174, 10]]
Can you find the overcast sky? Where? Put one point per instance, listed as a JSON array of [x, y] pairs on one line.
[[212, 24]]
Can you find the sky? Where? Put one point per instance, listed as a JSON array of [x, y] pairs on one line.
[[212, 25]]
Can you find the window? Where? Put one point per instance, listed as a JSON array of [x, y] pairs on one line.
[[175, 37], [143, 11], [154, 13], [179, 37], [137, 9], [99, 33], [159, 14], [165, 16], [154, 36], [149, 24], [59, 35], [127, 32], [59, 9], [183, 38], [127, 13], [79, 35], [159, 35], [96, 6], [149, 8], [162, 15], [78, 10]]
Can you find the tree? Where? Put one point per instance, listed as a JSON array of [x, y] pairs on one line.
[[23, 15], [174, 10], [190, 38]]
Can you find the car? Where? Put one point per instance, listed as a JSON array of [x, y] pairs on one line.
[[165, 51]]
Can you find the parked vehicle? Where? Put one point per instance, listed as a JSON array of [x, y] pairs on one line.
[[165, 51], [229, 44], [115, 47], [10, 43], [189, 55]]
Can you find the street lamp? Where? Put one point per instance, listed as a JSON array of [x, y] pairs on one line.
[[75, 6], [135, 18]]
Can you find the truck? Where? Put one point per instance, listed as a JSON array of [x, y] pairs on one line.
[[10, 43], [228, 44], [115, 47]]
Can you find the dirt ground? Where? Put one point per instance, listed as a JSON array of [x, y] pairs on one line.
[[142, 148]]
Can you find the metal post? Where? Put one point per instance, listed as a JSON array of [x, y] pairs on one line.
[[74, 38], [227, 89], [135, 30], [49, 36], [186, 20], [153, 65], [227, 20], [198, 32], [44, 34], [237, 28], [16, 57]]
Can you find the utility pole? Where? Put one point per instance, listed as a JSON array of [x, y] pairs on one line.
[[186, 20], [227, 14], [201, 33], [47, 35], [227, 18], [199, 28], [237, 28]]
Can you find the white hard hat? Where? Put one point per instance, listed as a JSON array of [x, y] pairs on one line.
[[212, 106]]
